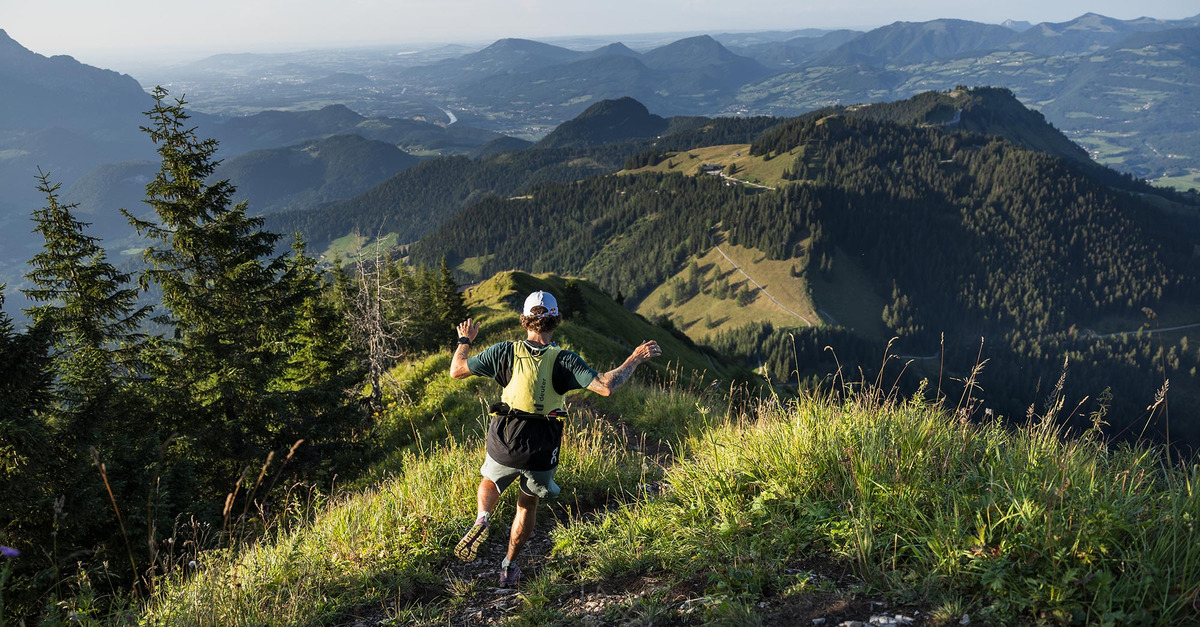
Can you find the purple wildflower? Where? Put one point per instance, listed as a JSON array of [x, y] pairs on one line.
[[9, 551]]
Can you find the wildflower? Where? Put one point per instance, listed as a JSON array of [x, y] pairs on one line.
[[9, 552]]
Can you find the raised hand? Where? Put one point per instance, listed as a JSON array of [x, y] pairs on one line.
[[468, 329], [646, 350]]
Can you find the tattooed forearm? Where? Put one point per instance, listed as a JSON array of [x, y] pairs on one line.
[[458, 363], [604, 384], [615, 378]]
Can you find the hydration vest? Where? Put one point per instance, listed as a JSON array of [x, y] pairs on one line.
[[531, 388], [526, 428]]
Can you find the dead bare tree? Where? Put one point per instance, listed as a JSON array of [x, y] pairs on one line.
[[380, 319]]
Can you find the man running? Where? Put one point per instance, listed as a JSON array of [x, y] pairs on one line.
[[525, 431]]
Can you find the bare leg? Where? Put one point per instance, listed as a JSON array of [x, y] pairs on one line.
[[487, 495], [523, 522]]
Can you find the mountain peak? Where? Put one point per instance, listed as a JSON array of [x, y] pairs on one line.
[[604, 122], [10, 45], [902, 43], [527, 46], [694, 53], [615, 48]]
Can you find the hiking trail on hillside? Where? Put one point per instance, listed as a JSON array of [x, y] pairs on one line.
[[470, 594]]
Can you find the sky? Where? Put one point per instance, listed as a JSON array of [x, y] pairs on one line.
[[107, 33]]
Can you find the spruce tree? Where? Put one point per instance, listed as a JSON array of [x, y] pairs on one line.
[[25, 445], [321, 365], [91, 318], [226, 294], [88, 308], [453, 305]]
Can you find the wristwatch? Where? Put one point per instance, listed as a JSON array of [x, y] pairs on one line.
[[464, 340]]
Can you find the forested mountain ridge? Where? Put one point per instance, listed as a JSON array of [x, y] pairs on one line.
[[959, 233], [301, 176], [986, 111], [605, 122], [413, 203], [275, 129], [908, 43]]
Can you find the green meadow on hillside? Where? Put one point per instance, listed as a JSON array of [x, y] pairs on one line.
[[747, 167]]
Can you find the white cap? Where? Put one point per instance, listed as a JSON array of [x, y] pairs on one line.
[[541, 299]]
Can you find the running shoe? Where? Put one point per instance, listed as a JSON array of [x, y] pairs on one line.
[[510, 576], [468, 548]]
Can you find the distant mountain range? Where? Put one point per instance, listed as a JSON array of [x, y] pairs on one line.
[[1123, 89], [548, 80]]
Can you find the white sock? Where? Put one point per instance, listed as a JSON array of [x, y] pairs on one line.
[[484, 515], [504, 564]]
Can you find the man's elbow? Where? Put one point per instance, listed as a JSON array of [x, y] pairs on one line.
[[460, 373]]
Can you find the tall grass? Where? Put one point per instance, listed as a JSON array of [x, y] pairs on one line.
[[1024, 523]]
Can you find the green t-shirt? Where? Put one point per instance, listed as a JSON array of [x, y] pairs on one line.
[[570, 371]]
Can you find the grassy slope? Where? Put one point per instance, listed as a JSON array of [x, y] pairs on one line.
[[754, 169], [1009, 525], [725, 314], [353, 246], [847, 298]]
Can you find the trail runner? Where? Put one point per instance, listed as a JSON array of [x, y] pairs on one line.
[[525, 431]]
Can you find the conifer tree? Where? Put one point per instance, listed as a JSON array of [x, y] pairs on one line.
[[453, 304], [225, 293], [86, 305], [24, 440], [90, 316], [321, 365]]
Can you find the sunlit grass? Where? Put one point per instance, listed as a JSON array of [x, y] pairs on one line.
[[387, 542], [1009, 524], [1019, 525]]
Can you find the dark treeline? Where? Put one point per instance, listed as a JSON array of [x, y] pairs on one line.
[[688, 133], [111, 436]]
